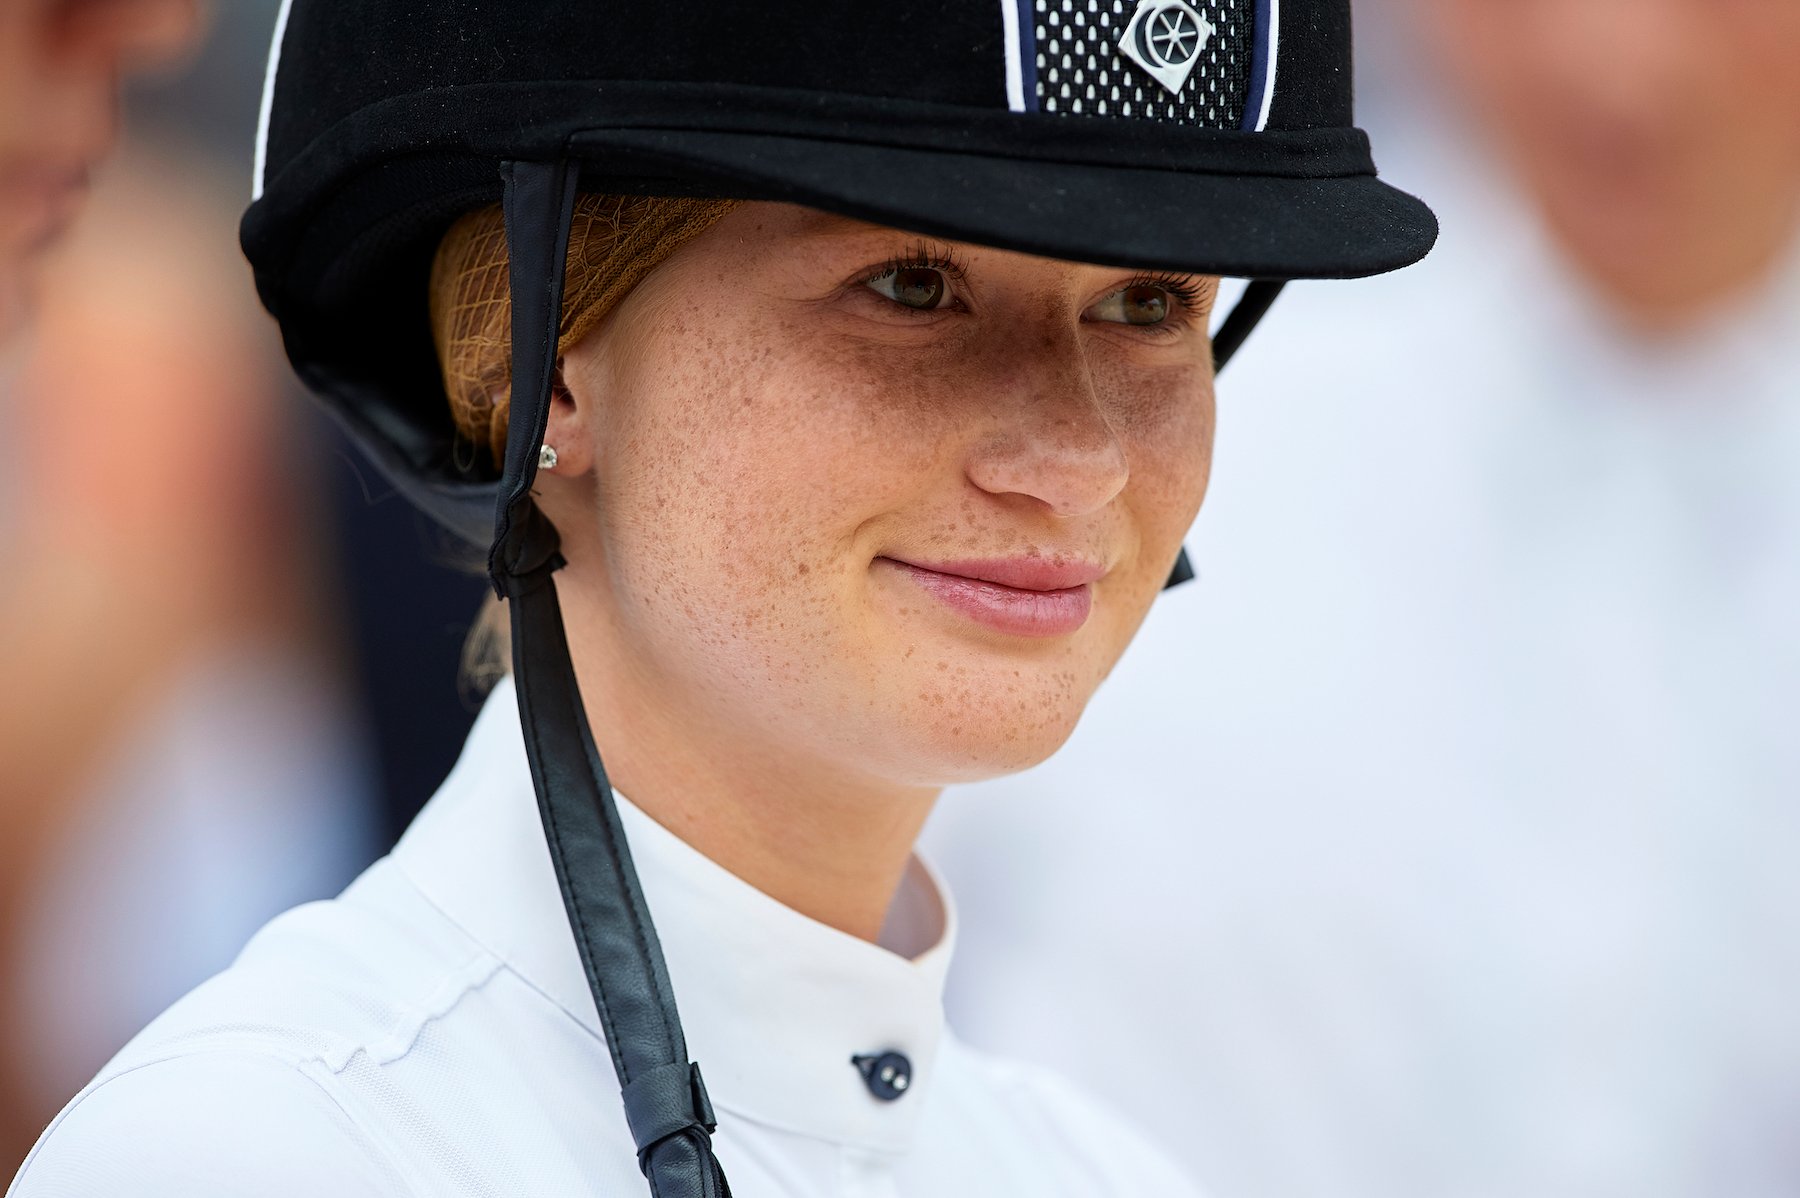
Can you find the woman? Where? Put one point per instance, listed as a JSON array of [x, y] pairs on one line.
[[853, 478]]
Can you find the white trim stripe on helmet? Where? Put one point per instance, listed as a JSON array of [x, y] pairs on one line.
[[1015, 55], [1268, 57], [268, 101]]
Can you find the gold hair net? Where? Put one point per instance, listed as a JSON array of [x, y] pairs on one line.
[[614, 242]]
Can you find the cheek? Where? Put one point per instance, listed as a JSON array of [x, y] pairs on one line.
[[1165, 420], [751, 461], [797, 447], [1170, 450]]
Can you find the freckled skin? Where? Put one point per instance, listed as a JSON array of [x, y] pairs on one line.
[[746, 436]]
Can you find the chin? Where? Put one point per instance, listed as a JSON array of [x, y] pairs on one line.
[[957, 711], [991, 742]]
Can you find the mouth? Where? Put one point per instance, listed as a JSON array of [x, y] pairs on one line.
[[1027, 597]]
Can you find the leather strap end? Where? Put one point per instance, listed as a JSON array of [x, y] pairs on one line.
[[666, 1101]]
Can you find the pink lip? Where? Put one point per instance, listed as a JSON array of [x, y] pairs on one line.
[[1020, 596]]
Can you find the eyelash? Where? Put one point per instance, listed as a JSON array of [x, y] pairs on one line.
[[1186, 291], [926, 256], [933, 256]]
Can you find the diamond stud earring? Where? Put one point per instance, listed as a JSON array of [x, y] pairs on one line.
[[547, 458]]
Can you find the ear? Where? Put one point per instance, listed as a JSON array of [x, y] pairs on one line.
[[570, 428]]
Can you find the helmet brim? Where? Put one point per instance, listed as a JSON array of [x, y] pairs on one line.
[[1250, 226]]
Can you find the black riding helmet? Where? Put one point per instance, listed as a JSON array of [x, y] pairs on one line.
[[1209, 136]]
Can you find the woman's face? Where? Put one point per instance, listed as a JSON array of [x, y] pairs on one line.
[[892, 504]]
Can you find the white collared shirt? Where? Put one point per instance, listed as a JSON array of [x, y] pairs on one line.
[[430, 1032]]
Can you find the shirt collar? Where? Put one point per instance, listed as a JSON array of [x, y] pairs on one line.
[[774, 1004]]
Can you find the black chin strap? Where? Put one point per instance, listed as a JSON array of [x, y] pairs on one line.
[[1255, 303], [1252, 306], [666, 1107]]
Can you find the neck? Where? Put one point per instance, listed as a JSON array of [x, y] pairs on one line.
[[822, 839]]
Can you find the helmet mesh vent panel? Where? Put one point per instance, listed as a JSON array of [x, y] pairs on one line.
[[1082, 71]]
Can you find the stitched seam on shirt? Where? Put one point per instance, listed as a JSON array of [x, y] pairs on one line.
[[260, 1052], [525, 979], [388, 1155], [466, 980]]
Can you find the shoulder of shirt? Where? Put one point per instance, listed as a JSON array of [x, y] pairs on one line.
[[1098, 1144], [245, 1070], [208, 1124], [363, 973]]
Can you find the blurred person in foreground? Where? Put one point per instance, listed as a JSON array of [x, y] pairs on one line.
[[153, 619], [61, 65], [1483, 779]]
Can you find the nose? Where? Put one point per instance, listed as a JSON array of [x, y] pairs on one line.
[[1050, 440]]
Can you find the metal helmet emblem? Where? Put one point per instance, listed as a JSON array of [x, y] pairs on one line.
[[1166, 38]]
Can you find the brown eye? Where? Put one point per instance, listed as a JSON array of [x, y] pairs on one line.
[[919, 287], [1141, 303]]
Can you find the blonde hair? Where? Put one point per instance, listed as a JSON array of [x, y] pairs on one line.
[[614, 242]]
